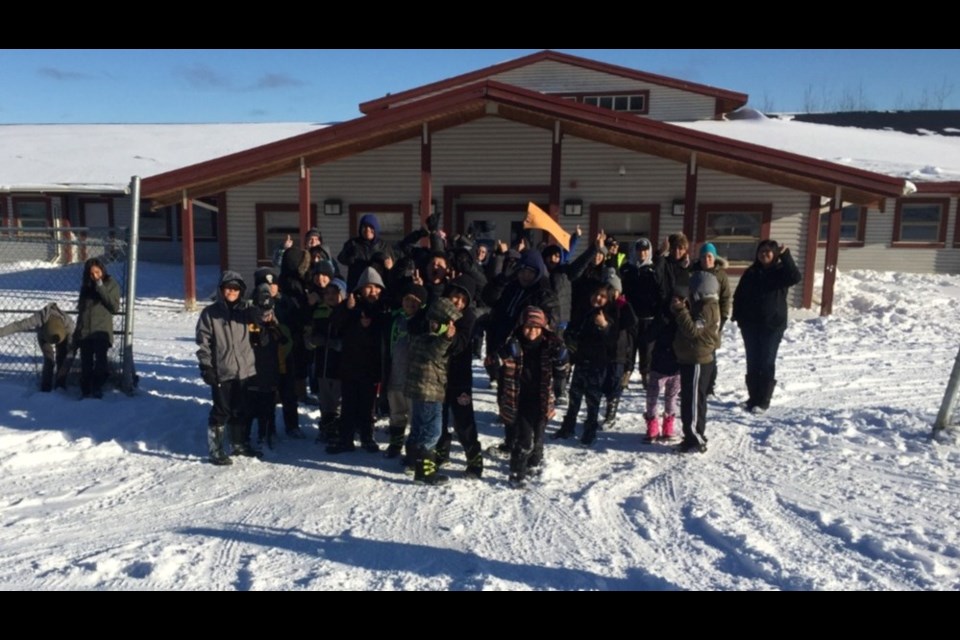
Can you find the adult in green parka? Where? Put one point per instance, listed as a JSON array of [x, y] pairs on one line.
[[99, 302]]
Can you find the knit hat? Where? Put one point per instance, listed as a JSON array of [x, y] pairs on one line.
[[417, 291], [339, 284], [533, 317], [324, 267], [612, 279], [610, 241], [313, 233], [54, 331], [266, 275], [369, 276], [708, 248], [704, 285], [643, 244]]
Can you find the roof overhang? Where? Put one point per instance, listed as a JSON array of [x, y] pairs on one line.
[[39, 188], [488, 98]]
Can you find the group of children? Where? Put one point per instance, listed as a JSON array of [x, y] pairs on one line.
[[412, 346]]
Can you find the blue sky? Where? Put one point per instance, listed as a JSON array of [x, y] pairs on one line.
[[147, 86]]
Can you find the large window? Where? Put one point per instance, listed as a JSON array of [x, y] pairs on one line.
[[852, 225], [921, 222], [735, 229], [155, 225]]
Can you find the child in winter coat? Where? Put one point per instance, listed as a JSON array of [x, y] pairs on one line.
[[54, 331], [663, 377], [591, 340], [398, 351], [227, 364], [425, 387], [626, 323], [325, 343], [267, 340], [698, 336], [529, 362], [458, 401]]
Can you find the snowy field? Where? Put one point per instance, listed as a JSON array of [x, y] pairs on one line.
[[838, 487]]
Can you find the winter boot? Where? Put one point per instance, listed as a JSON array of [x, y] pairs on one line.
[[653, 429], [567, 429], [215, 441], [426, 469], [240, 437], [395, 448], [324, 427], [669, 428], [442, 450], [518, 467], [765, 389], [589, 433], [753, 394], [610, 415], [474, 462]]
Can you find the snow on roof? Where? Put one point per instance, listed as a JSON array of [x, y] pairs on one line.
[[103, 157], [919, 158]]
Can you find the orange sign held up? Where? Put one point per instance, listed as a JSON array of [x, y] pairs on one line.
[[537, 218]]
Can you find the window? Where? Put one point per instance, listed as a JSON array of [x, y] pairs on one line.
[[395, 220], [274, 223], [921, 222], [204, 220], [735, 229], [626, 222], [155, 225], [629, 102], [31, 213], [852, 225], [96, 212]]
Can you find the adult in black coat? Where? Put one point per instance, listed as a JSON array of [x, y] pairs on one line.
[[760, 310], [358, 253]]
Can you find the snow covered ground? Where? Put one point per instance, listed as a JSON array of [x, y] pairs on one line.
[[838, 486]]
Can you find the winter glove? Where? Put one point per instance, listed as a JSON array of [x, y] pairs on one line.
[[209, 376]]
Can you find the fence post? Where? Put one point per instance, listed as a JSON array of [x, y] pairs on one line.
[[949, 398], [128, 380]]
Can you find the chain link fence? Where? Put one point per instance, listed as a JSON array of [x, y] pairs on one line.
[[42, 265]]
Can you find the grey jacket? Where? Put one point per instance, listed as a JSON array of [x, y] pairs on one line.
[[223, 336], [38, 320]]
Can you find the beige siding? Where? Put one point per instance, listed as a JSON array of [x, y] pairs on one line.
[[491, 151], [666, 103], [879, 254], [549, 76], [788, 223], [595, 169]]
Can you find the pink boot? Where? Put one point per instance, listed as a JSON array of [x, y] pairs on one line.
[[653, 429], [668, 429]]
